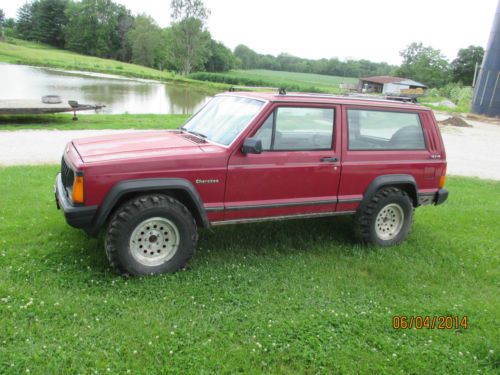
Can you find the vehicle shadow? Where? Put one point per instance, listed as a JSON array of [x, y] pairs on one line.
[[224, 245], [289, 236]]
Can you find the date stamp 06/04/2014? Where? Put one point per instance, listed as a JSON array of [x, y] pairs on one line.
[[430, 322]]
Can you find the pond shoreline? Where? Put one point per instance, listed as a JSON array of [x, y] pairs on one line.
[[118, 94]]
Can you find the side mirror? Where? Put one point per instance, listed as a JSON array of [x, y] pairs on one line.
[[252, 146]]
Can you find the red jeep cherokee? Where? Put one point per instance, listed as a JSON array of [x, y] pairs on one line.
[[248, 157]]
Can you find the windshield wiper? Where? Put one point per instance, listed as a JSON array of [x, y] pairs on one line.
[[201, 135]]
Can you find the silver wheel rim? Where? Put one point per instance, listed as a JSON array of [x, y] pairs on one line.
[[389, 221], [154, 241]]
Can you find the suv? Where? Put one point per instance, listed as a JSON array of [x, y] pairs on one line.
[[248, 157]]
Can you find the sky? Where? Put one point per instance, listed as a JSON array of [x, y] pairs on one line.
[[349, 29]]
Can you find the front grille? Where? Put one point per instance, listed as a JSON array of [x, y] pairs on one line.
[[67, 175]]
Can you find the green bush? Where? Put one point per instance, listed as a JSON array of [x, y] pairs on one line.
[[461, 95], [433, 93]]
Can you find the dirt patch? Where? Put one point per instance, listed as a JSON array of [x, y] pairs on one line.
[[455, 121], [489, 120]]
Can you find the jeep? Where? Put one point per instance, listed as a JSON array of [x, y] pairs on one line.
[[247, 157]]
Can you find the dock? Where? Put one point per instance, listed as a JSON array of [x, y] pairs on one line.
[[37, 107]]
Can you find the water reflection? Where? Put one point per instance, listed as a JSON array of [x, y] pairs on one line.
[[120, 95]]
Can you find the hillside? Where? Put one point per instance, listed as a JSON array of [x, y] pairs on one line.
[[16, 51]]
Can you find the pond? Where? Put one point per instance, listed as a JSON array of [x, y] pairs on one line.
[[119, 94]]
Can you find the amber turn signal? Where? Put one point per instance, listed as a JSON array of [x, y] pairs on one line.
[[442, 180], [78, 189]]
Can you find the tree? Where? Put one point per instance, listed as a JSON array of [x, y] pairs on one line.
[[49, 18], [221, 58], [146, 42], [249, 58], [189, 41], [188, 46], [25, 25], [183, 9], [2, 20], [424, 64], [98, 28], [42, 21], [464, 65]]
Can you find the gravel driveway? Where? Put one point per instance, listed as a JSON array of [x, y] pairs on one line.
[[470, 151]]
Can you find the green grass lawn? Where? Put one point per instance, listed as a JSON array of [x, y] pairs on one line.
[[16, 51], [64, 122], [283, 297], [270, 78]]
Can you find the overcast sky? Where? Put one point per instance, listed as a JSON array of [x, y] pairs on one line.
[[371, 29]]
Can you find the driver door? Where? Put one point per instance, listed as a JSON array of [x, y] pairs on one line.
[[297, 172]]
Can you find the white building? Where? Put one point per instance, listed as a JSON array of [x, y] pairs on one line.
[[391, 85]]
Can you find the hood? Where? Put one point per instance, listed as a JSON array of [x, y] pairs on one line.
[[135, 145]]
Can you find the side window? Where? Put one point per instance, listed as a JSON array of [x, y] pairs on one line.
[[384, 130], [297, 128]]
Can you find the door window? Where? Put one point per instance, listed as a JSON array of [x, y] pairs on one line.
[[297, 128]]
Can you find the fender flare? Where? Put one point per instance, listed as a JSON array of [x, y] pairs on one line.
[[391, 179], [146, 185]]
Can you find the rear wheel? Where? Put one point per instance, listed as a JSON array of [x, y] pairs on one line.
[[149, 235], [387, 218]]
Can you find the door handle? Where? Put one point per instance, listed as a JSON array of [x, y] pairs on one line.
[[329, 159]]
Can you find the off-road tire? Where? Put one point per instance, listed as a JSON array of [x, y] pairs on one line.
[[134, 212], [365, 218]]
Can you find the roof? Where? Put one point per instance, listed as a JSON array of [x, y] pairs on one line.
[[294, 97], [411, 82], [397, 80], [383, 79]]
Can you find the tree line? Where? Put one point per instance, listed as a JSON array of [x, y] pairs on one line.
[[106, 29]]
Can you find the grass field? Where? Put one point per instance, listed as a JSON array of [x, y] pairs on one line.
[[283, 297], [269, 78], [18, 51], [64, 122]]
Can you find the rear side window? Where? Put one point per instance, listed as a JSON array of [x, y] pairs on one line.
[[384, 130], [297, 128]]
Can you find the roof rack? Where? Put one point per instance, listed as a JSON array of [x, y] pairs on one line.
[[386, 98]]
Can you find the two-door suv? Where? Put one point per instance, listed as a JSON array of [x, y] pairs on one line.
[[248, 157]]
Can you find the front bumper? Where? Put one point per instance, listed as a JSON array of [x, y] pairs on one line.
[[441, 196], [80, 217]]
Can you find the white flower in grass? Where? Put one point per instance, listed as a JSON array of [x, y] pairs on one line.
[[171, 352]]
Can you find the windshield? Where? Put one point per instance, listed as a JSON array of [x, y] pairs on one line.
[[223, 118]]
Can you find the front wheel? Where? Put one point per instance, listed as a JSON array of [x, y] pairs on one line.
[[149, 235], [387, 218]]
